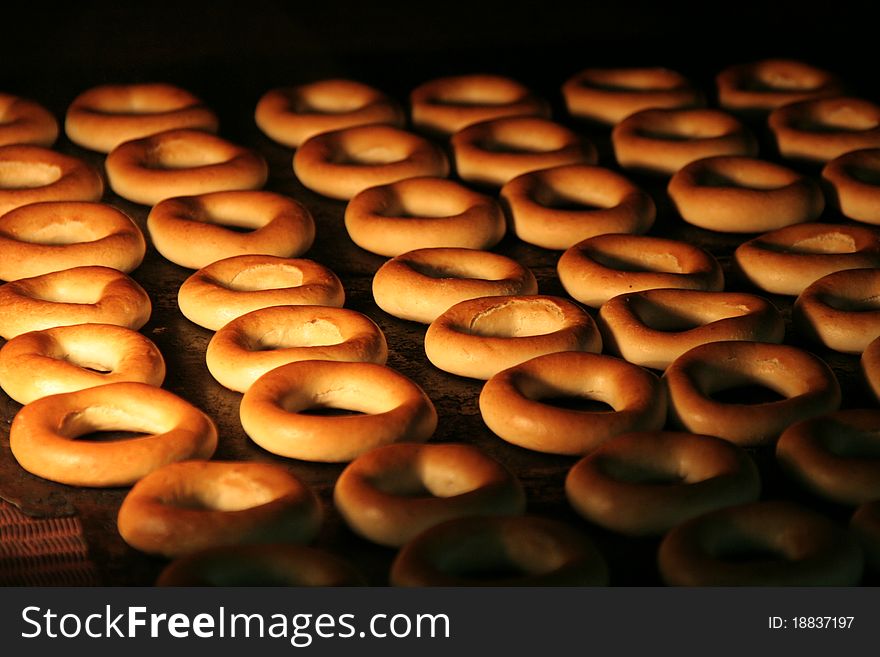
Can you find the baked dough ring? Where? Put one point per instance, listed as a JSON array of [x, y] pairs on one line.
[[841, 310], [870, 363], [290, 115], [788, 544], [480, 337], [43, 437], [765, 85], [788, 260], [644, 484], [192, 231], [662, 141], [609, 95], [104, 117], [393, 409], [30, 174], [422, 213], [23, 121], [44, 237], [835, 456], [512, 407], [865, 524], [393, 493], [70, 358], [744, 195], [807, 384], [539, 205], [261, 340], [421, 285], [652, 328], [535, 551], [497, 151], [341, 163], [822, 129], [182, 163], [215, 295], [854, 182], [601, 267], [446, 105], [194, 505], [82, 295], [273, 564]]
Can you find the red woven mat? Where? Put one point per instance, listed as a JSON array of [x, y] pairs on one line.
[[43, 551]]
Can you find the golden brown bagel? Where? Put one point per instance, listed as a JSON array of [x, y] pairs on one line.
[[23, 121], [765, 85], [854, 181]]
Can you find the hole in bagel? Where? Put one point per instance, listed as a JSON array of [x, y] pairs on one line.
[[27, 175], [456, 269], [329, 411], [111, 436], [73, 294], [325, 101], [867, 175], [846, 441], [61, 231], [635, 261], [523, 141], [370, 154], [182, 154], [744, 178], [747, 394], [744, 549], [313, 333], [824, 243], [576, 403], [775, 79], [633, 80], [517, 319], [662, 317], [107, 423], [423, 205], [555, 199], [264, 277], [478, 94], [851, 304], [843, 118], [224, 491], [632, 472]]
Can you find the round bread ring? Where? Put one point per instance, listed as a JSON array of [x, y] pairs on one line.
[[765, 85], [272, 564], [421, 285], [870, 363], [188, 506], [70, 358], [182, 163], [652, 328], [602, 267], [841, 310], [393, 493], [341, 163], [420, 213], [30, 174], [44, 237], [290, 115], [541, 551], [497, 151], [191, 231], [538, 204], [44, 433], [662, 141], [394, 410], [480, 337], [81, 295], [261, 340], [23, 121], [807, 383], [835, 456], [217, 294], [609, 95], [865, 524], [788, 260], [106, 116], [822, 129], [744, 195], [793, 546], [511, 405], [854, 182], [446, 105], [644, 484]]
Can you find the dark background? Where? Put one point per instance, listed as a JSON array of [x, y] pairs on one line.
[[251, 45]]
